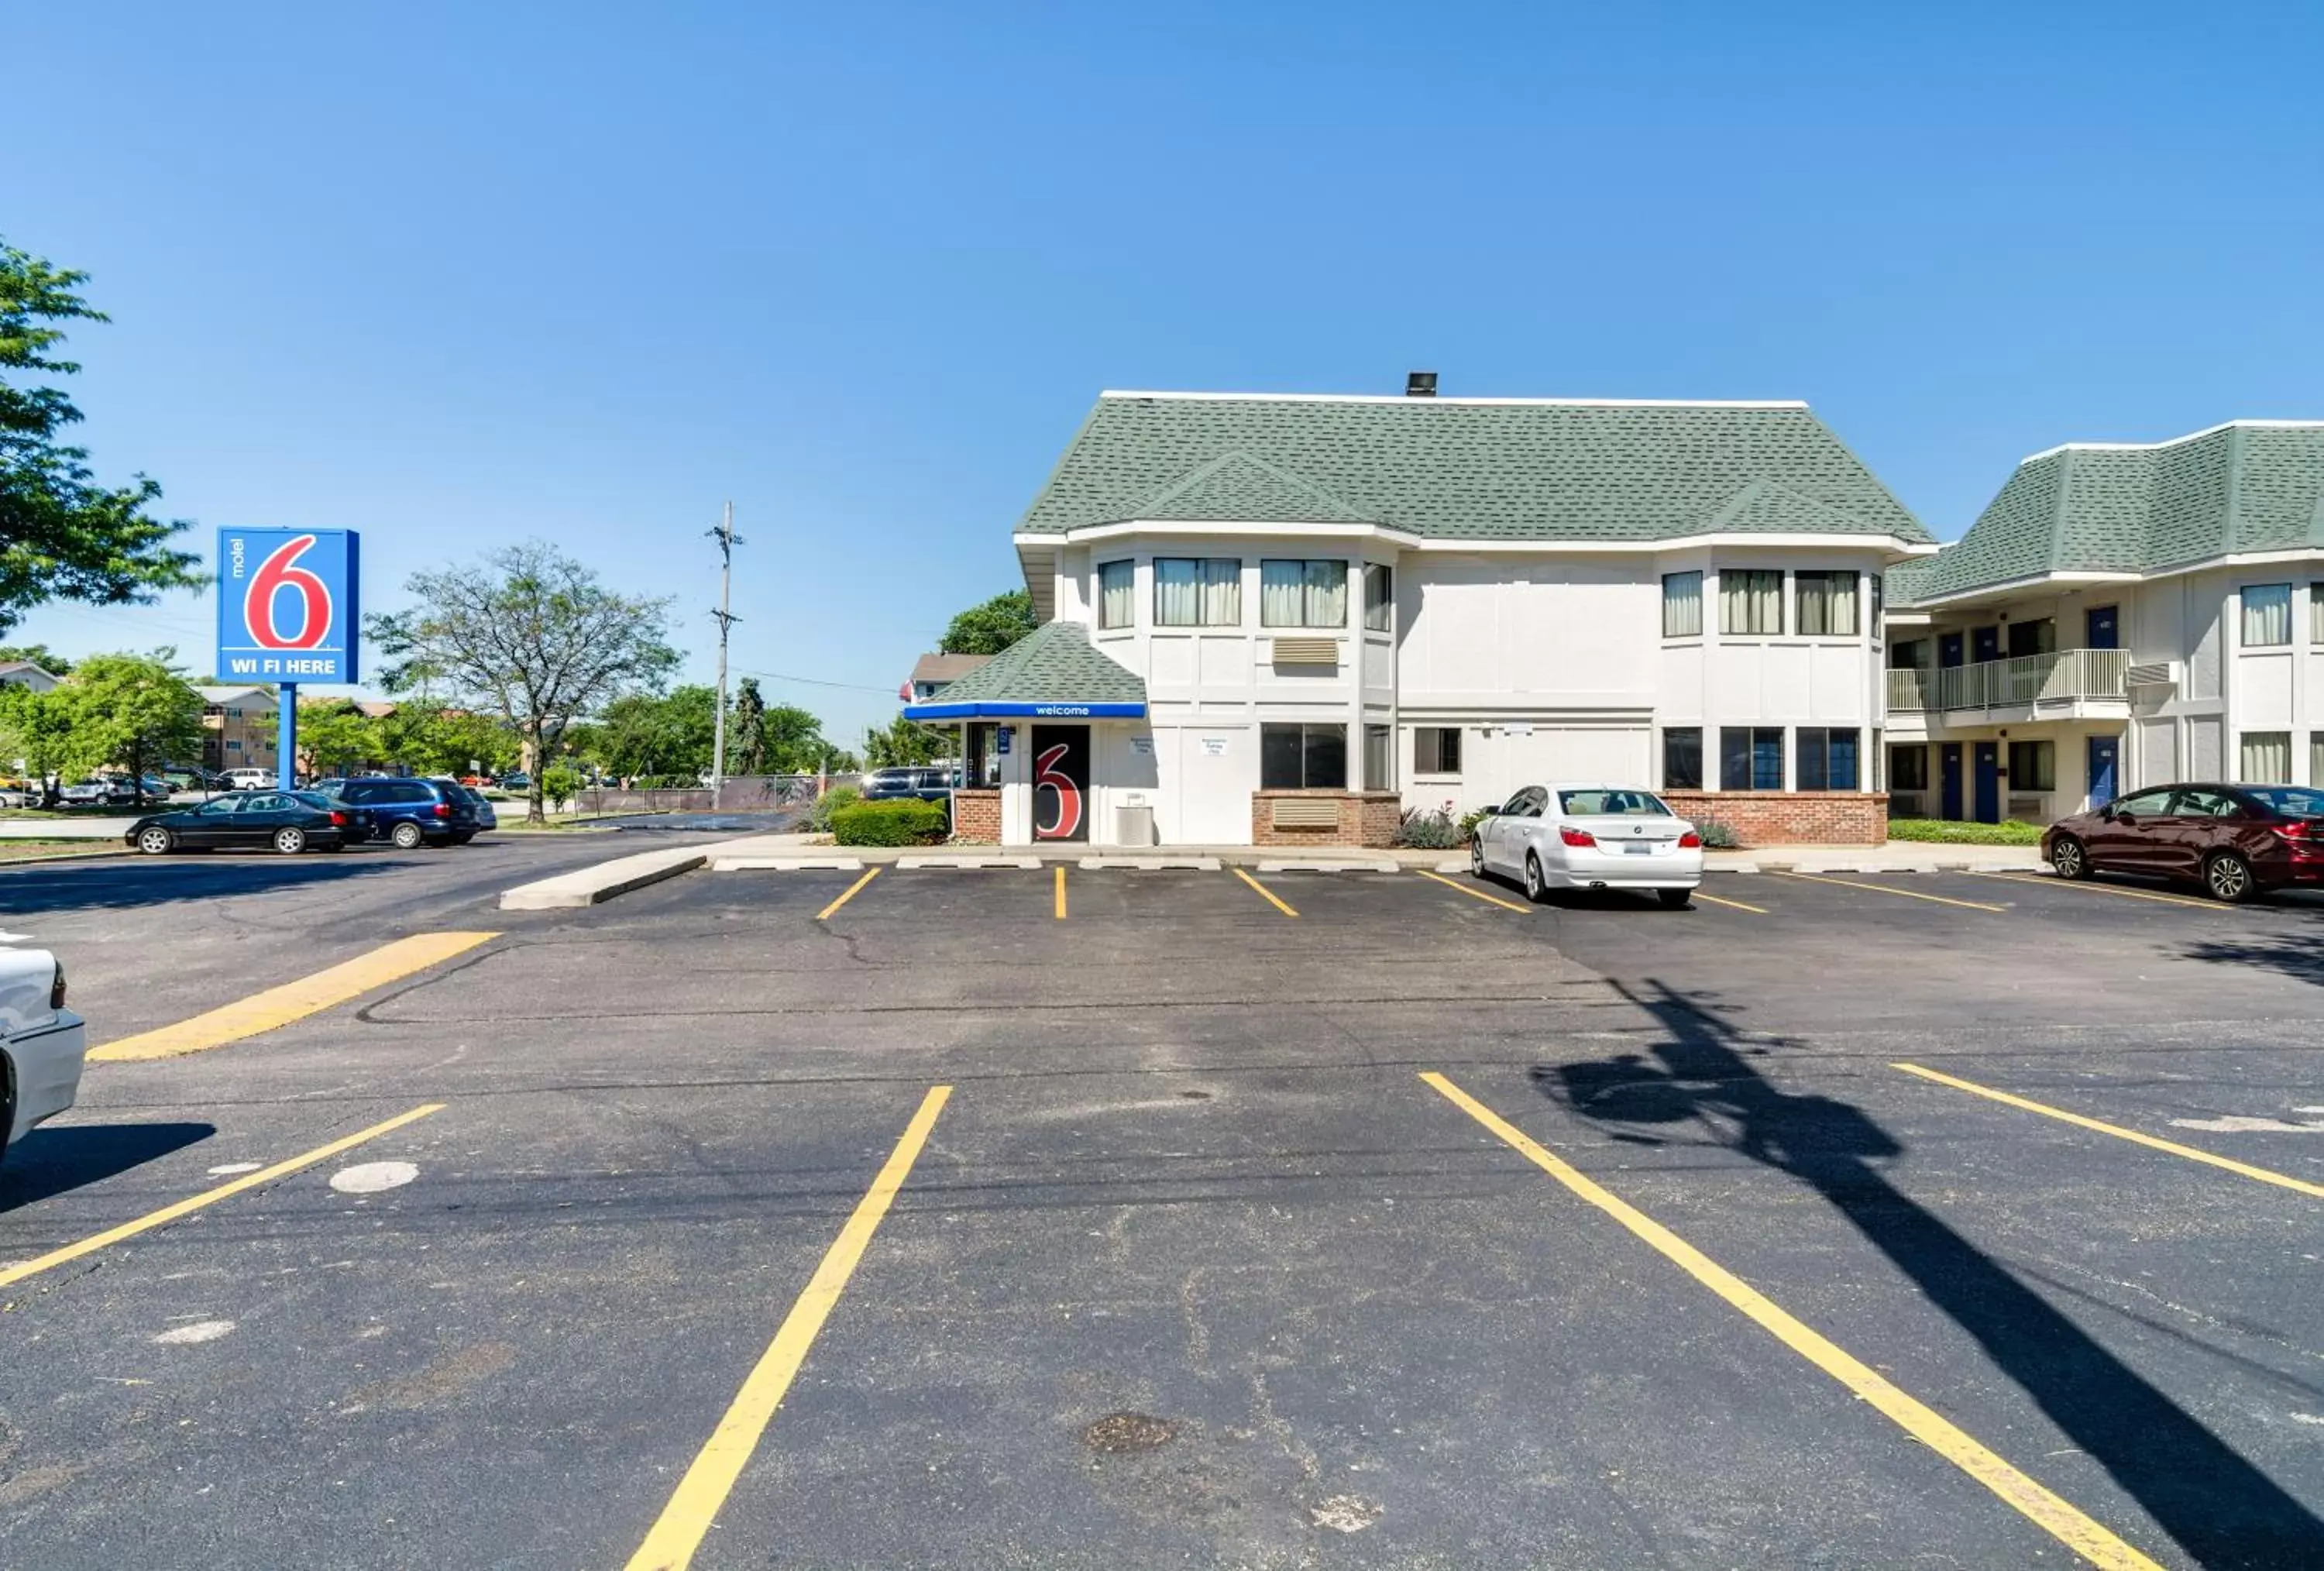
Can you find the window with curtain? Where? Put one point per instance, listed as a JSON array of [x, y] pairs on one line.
[[1311, 593], [2267, 616], [1827, 603], [2036, 637], [1681, 758], [1750, 600], [2266, 758], [1879, 585], [1751, 758], [1380, 597], [1436, 750], [1826, 759], [2316, 619], [1116, 589], [1302, 757], [1379, 758], [2032, 766], [1197, 592], [1682, 604]]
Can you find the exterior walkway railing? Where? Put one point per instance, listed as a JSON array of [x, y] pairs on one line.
[[2021, 682]]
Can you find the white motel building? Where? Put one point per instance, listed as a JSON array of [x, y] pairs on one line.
[[1284, 619]]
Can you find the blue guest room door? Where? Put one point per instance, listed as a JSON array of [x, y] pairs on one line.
[[2105, 759], [1988, 782], [1948, 781], [2102, 629]]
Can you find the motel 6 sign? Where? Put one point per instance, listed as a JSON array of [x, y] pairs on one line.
[[288, 605]]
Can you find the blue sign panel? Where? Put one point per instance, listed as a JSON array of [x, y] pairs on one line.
[[289, 604], [990, 708]]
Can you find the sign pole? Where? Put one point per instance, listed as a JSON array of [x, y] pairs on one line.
[[286, 736]]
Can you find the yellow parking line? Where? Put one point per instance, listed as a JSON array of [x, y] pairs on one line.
[[693, 1504], [1907, 893], [2263, 1175], [1061, 892], [1736, 905], [825, 914], [1264, 893], [2046, 1510], [1507, 905], [279, 1006], [2200, 905], [153, 1219]]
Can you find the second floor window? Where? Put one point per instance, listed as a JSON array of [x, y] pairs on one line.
[[1197, 592], [1750, 601], [1827, 604], [1380, 597], [1117, 593], [1311, 593], [1682, 604], [2267, 614]]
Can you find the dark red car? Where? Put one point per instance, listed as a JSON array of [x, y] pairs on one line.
[[2236, 840]]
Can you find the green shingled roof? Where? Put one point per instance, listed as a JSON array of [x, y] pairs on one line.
[[1459, 469], [1053, 664], [2242, 487]]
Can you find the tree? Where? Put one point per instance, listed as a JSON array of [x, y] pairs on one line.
[[427, 738], [992, 627], [746, 730], [134, 711], [673, 733], [902, 743], [39, 654], [36, 728], [338, 736], [528, 634], [63, 537]]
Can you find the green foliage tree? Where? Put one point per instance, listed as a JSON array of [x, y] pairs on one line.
[[992, 627], [528, 634], [902, 743], [746, 730], [134, 711], [559, 783], [40, 654], [427, 738], [36, 728], [63, 536], [336, 737], [673, 733], [795, 741]]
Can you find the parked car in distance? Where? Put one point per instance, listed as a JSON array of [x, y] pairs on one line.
[[289, 821], [516, 781], [410, 812], [43, 1044], [248, 779], [925, 782], [486, 819], [2237, 841], [1589, 836], [187, 778]]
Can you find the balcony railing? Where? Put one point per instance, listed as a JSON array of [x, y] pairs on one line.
[[2024, 682]]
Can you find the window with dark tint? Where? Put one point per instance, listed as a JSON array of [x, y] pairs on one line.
[[1682, 758], [1751, 758], [1302, 757], [2039, 637], [1436, 750], [2032, 766], [1380, 597], [2294, 802], [1908, 768], [1826, 759]]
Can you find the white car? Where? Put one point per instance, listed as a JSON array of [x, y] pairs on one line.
[[1590, 836], [42, 1042], [249, 780]]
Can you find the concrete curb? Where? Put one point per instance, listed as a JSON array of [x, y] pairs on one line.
[[594, 885], [1154, 864], [1347, 865], [907, 863], [786, 865]]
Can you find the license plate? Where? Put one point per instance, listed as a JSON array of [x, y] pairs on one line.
[[1635, 849]]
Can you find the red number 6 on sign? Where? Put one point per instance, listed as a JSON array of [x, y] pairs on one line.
[[277, 571]]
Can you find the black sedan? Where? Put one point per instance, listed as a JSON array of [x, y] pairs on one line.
[[287, 821]]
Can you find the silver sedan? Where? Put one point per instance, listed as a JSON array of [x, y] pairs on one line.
[[1590, 836], [42, 1042]]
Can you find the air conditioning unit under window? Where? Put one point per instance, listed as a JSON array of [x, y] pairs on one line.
[[1306, 651]]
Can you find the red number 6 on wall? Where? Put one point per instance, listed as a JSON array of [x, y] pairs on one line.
[[1048, 777]]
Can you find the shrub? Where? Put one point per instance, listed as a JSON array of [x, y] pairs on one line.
[[1717, 834], [1468, 822], [1945, 832], [903, 821], [559, 785], [1430, 831], [819, 817]]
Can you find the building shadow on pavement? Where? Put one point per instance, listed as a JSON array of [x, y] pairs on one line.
[[2221, 1509], [51, 1161], [128, 885]]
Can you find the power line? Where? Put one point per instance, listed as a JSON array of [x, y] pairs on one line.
[[814, 681]]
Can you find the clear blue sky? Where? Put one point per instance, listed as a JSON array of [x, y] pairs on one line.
[[457, 274]]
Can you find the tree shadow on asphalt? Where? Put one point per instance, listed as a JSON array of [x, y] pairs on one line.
[[2220, 1508], [127, 885], [2299, 958], [50, 1162]]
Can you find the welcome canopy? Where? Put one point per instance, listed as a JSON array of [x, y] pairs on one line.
[[1052, 672]]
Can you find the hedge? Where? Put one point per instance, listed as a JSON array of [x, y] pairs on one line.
[[1946, 832], [900, 821]]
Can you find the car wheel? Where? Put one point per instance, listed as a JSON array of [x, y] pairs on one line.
[[155, 841], [2229, 878], [2070, 857], [289, 841], [1676, 900], [1536, 887], [1476, 859], [406, 836]]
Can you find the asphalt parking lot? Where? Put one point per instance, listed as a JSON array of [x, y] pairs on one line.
[[1136, 1218]]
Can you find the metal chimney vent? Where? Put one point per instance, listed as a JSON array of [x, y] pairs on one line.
[[1420, 384]]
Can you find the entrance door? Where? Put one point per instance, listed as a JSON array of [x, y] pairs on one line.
[[1984, 643], [2106, 767], [1061, 782], [1949, 651], [2102, 628], [1949, 778], [1989, 781]]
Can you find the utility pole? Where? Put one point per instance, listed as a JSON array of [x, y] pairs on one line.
[[727, 541]]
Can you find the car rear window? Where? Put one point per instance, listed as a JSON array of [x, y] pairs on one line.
[[1611, 804], [2295, 802]]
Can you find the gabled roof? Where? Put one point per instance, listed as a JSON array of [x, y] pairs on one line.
[[2103, 507], [945, 668], [20, 669], [1452, 469], [1053, 665]]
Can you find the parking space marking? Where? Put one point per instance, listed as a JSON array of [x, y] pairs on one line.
[[1264, 893], [1507, 905], [170, 1213], [678, 1531], [1061, 892], [2263, 1175], [2200, 905], [294, 1001], [1907, 893], [825, 914], [1732, 904], [2054, 1515]]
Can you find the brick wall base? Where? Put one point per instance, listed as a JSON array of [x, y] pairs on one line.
[[976, 817], [1790, 817], [1364, 819]]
